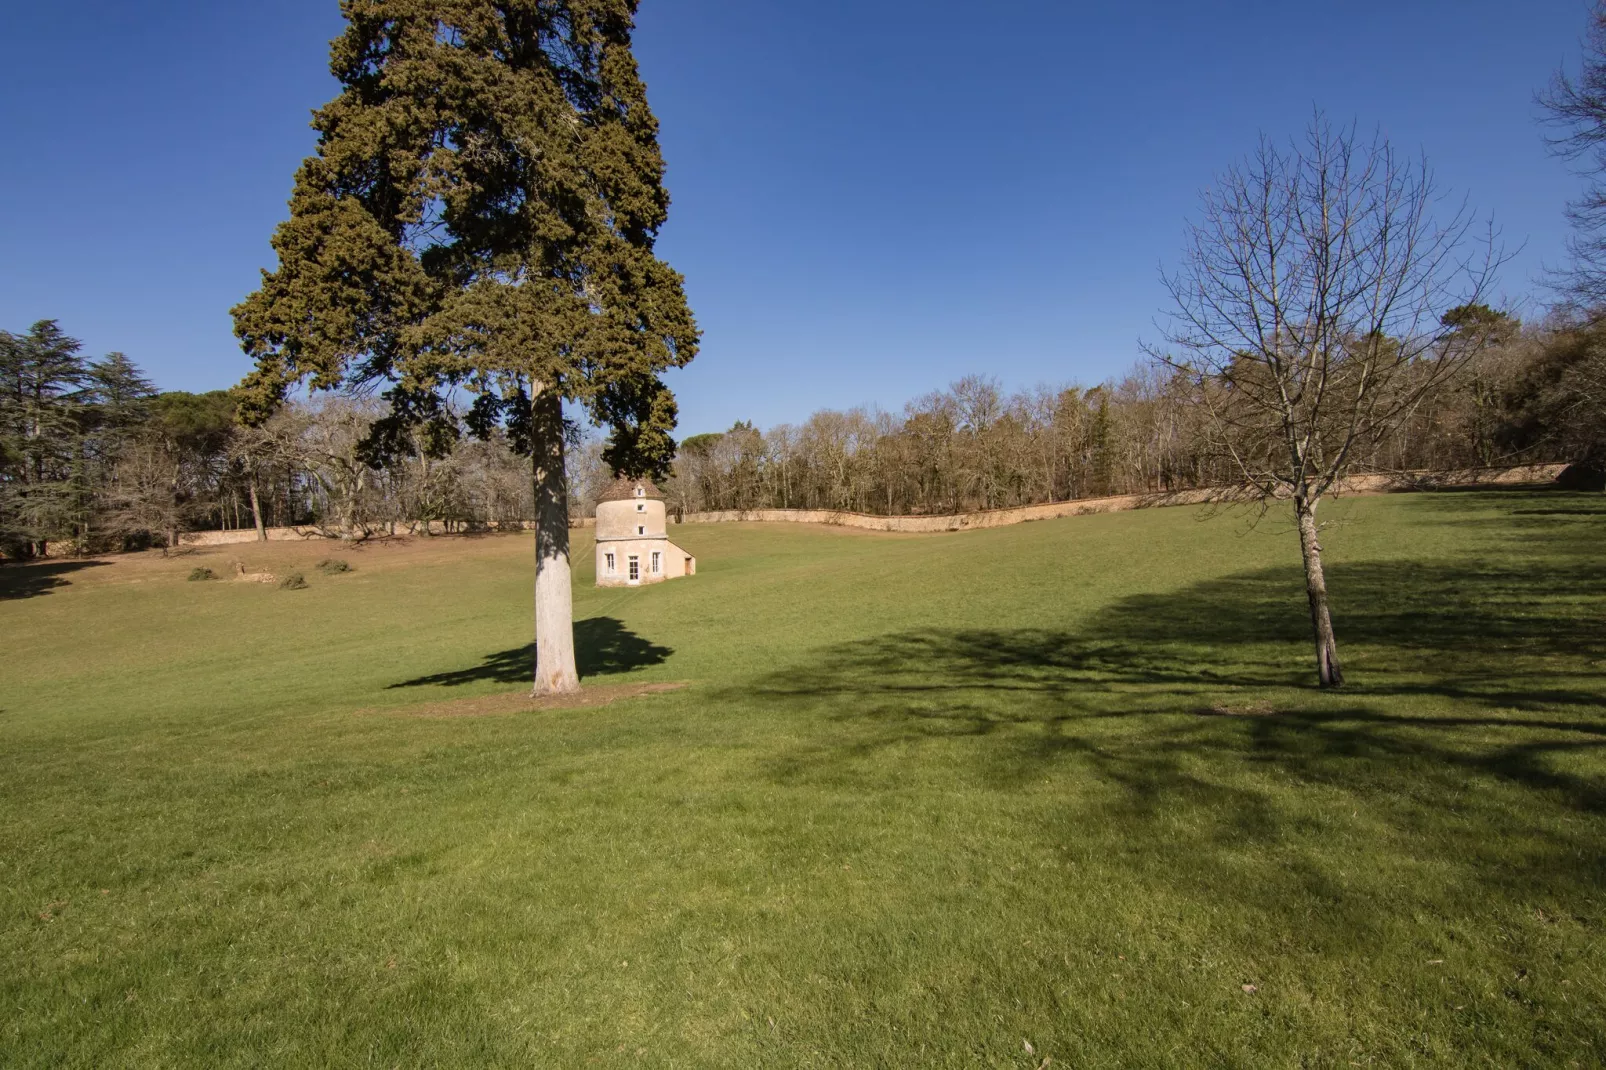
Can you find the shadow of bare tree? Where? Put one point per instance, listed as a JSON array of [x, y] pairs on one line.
[[1476, 719], [1502, 634], [602, 645], [30, 579]]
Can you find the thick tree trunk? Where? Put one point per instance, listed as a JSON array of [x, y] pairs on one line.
[[554, 599], [256, 513], [1328, 672]]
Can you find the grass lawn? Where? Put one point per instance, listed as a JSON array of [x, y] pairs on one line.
[[1054, 792]]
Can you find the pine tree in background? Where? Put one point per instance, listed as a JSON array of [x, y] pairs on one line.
[[120, 394], [116, 406], [1101, 463], [481, 213], [42, 383]]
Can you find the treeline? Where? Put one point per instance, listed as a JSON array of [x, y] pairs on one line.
[[1532, 395], [94, 458]]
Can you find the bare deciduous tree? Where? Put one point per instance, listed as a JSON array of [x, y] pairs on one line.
[[1576, 109], [1307, 314], [145, 494]]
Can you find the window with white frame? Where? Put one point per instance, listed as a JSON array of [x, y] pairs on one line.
[[635, 568], [610, 562], [656, 559]]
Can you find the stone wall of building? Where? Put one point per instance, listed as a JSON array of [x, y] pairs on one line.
[[673, 561], [622, 520]]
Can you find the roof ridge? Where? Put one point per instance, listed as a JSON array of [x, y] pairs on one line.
[[623, 488]]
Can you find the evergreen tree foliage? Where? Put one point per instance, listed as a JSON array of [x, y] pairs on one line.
[[481, 211], [120, 394], [481, 214], [1555, 404], [43, 383], [115, 411], [1100, 461]]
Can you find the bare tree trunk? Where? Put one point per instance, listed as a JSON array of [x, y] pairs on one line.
[[348, 513], [554, 599], [256, 513], [1328, 672]]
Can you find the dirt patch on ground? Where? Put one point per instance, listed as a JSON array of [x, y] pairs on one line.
[[1240, 709], [523, 702]]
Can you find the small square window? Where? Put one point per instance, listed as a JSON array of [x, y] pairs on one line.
[[641, 529], [641, 492], [641, 507]]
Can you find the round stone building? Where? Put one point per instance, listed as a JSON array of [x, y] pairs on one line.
[[633, 544]]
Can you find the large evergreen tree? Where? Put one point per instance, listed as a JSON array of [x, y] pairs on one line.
[[43, 382], [116, 406], [481, 214]]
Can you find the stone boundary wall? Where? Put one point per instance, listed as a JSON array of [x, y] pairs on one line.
[[996, 518], [991, 518], [303, 534]]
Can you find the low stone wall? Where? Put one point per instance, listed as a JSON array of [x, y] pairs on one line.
[[1455, 477], [991, 518], [995, 518], [301, 534], [228, 538]]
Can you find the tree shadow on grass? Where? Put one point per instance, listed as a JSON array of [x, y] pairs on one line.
[[28, 580], [1415, 840], [1514, 628], [602, 645], [1480, 628], [1516, 636], [1516, 515], [1197, 708]]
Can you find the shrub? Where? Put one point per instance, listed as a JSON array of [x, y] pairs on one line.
[[293, 582], [330, 566], [201, 572]]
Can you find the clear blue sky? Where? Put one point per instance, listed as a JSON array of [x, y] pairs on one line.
[[871, 197]]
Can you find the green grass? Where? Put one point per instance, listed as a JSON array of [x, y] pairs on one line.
[[925, 801]]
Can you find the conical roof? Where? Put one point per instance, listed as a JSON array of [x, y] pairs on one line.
[[624, 490]]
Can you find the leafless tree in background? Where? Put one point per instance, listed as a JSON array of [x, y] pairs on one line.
[[1307, 315], [147, 492], [1576, 110]]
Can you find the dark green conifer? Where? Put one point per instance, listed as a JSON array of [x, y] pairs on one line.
[[119, 393], [42, 393], [481, 214], [116, 405]]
